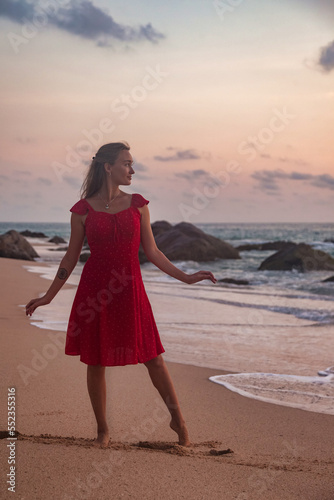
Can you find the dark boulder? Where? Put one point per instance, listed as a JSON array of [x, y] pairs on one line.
[[270, 245], [330, 240], [331, 278], [14, 246], [160, 226], [185, 241], [233, 281], [84, 256], [32, 234], [58, 249], [57, 239], [301, 257]]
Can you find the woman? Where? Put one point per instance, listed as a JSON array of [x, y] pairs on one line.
[[111, 321]]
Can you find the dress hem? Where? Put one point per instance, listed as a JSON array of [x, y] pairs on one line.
[[123, 364]]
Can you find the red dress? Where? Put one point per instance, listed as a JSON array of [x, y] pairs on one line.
[[111, 321]]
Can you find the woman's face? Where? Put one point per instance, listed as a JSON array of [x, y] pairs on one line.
[[121, 171]]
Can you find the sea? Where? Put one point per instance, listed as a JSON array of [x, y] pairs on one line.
[[274, 336]]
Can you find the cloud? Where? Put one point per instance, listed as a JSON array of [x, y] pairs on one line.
[[299, 176], [326, 57], [200, 177], [139, 167], [268, 180], [45, 181], [72, 181], [83, 19], [323, 181], [88, 21], [285, 159], [17, 10], [183, 154], [193, 174]]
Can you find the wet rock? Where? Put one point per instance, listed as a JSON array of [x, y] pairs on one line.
[[300, 257], [331, 278], [270, 245], [184, 241], [14, 246], [233, 281], [84, 256], [160, 226], [32, 234], [58, 249], [57, 239]]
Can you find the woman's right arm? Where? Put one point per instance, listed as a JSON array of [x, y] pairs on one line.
[[66, 266]]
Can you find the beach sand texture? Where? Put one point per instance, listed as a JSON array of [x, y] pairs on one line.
[[242, 449]]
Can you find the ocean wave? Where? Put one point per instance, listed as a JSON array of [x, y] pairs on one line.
[[307, 393], [321, 315]]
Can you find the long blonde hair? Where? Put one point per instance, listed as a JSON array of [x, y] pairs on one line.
[[108, 153]]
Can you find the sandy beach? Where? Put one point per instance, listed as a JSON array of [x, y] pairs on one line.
[[242, 449]]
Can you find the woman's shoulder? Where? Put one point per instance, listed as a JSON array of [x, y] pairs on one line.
[[138, 200], [80, 207]]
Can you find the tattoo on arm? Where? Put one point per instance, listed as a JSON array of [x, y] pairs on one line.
[[62, 274]]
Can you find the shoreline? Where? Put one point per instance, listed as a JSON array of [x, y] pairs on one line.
[[278, 452], [268, 349]]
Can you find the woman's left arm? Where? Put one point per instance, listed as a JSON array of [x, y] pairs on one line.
[[160, 260]]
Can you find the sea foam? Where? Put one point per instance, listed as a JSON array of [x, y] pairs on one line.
[[306, 393]]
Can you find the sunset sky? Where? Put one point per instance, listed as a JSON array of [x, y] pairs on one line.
[[227, 105]]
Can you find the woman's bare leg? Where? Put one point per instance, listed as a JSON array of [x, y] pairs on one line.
[[96, 384], [163, 383]]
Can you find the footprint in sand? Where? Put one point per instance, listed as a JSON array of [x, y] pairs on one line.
[[207, 448]]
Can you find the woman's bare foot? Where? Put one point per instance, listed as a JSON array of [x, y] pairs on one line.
[[182, 432], [102, 439]]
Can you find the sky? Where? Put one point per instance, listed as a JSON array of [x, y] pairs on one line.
[[227, 106]]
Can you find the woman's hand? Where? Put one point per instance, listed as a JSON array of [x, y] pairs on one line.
[[200, 276], [34, 303]]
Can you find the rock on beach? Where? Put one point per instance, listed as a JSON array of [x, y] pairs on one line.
[[300, 257], [184, 241], [14, 246], [270, 245], [328, 280], [32, 234], [57, 239]]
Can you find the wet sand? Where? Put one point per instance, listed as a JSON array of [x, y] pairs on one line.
[[242, 449]]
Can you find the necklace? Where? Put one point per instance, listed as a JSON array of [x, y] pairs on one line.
[[107, 203]]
